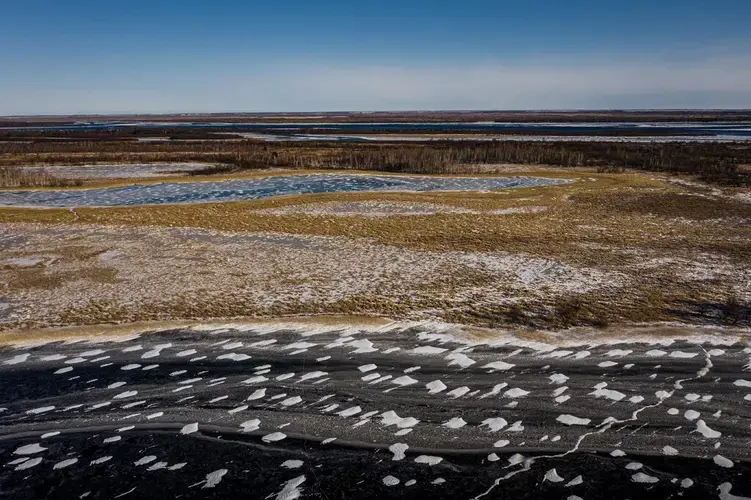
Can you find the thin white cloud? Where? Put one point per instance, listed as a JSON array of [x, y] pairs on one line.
[[710, 82]]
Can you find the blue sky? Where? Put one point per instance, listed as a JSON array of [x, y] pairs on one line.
[[83, 56]]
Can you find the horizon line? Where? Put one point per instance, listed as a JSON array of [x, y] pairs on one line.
[[384, 111]]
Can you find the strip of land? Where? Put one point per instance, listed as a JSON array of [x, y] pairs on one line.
[[607, 249]]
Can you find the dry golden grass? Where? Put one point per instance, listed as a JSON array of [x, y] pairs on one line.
[[36, 277], [615, 210], [609, 223], [13, 177]]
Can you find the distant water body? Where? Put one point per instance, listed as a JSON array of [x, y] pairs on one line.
[[252, 189], [622, 131]]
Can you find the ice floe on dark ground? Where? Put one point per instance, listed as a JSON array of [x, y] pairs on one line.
[[251, 189], [304, 418]]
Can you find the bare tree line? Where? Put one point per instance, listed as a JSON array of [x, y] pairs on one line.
[[727, 164]]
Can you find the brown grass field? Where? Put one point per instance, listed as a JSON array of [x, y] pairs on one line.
[[661, 251]]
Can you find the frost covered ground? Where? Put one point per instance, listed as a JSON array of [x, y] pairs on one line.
[[366, 410], [90, 274], [604, 250]]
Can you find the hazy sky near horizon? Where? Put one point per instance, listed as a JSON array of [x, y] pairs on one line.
[[86, 56]]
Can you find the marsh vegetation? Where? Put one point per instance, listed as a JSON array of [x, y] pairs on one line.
[[720, 163], [15, 177]]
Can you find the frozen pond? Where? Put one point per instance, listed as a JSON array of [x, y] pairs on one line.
[[251, 189]]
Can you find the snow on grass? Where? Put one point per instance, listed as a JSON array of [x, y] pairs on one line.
[[250, 425], [134, 404], [189, 428], [515, 393], [496, 390], [404, 380], [722, 461], [398, 450], [362, 346], [499, 365], [460, 359], [455, 423], [15, 360], [516, 427], [155, 351], [706, 431], [29, 449], [255, 380], [292, 464], [214, 478], [257, 394], [64, 463], [669, 451], [494, 424], [428, 349], [572, 420], [390, 418], [458, 392], [558, 378], [601, 392], [312, 375], [126, 394], [292, 401], [390, 481], [349, 412], [683, 355], [233, 356], [28, 464], [37, 411], [144, 460], [273, 437], [641, 477], [552, 476], [428, 460], [691, 415], [575, 482], [291, 489]]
